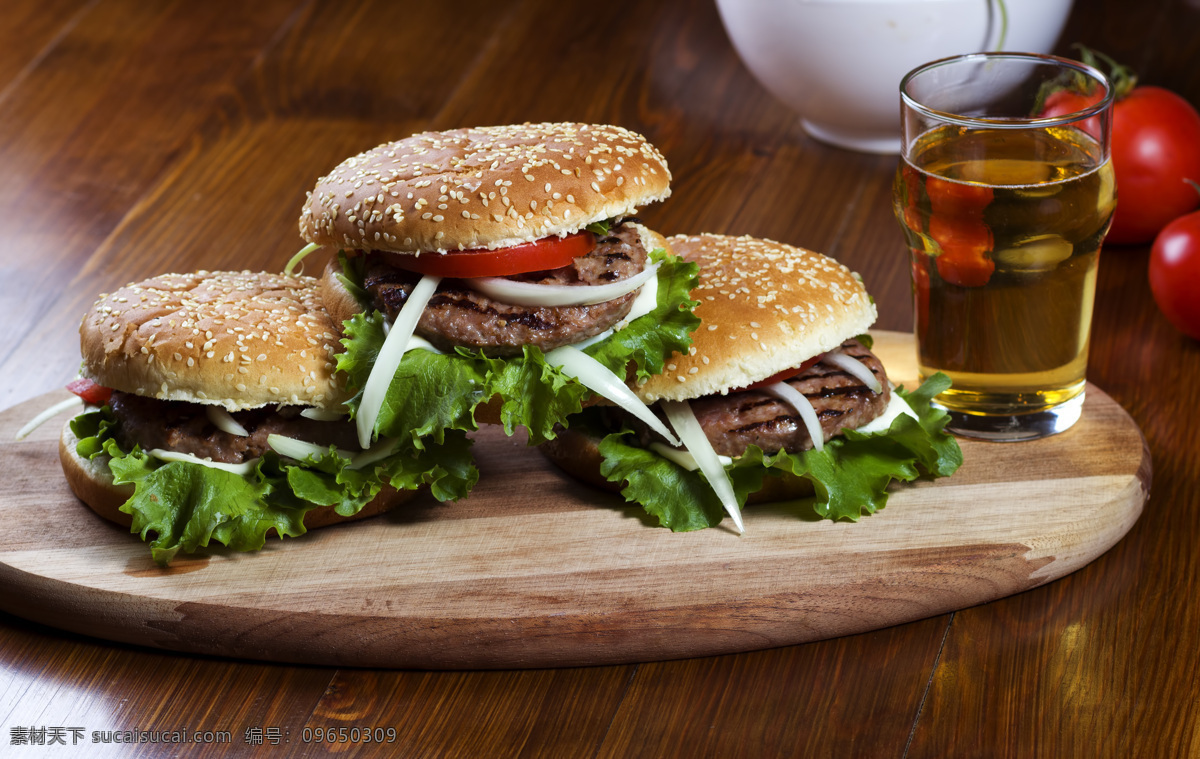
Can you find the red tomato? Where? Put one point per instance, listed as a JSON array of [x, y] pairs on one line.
[[90, 392], [539, 255], [1175, 272], [781, 376], [1155, 148], [1066, 102]]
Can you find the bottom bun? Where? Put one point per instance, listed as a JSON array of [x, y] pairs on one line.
[[577, 453], [92, 483]]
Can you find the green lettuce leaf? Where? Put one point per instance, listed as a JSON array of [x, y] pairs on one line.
[[533, 393], [678, 499], [850, 475], [181, 506], [432, 393]]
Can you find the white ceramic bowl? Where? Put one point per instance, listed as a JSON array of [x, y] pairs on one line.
[[838, 63]]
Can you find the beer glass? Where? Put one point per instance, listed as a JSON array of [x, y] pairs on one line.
[[1004, 192]]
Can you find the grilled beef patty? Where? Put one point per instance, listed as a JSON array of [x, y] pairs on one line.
[[185, 428], [457, 315], [740, 419], [752, 417]]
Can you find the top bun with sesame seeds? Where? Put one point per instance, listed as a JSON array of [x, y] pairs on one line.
[[765, 307], [239, 340], [484, 188]]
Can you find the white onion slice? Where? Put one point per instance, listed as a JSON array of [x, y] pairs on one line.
[[74, 402], [794, 398], [390, 355], [590, 341], [415, 342], [300, 449], [378, 452], [597, 378], [244, 468], [692, 434], [323, 414], [533, 294], [855, 367], [296, 260], [643, 303], [682, 457], [225, 422]]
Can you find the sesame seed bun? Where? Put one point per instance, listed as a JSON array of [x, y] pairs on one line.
[[487, 187], [764, 307], [92, 483], [234, 339]]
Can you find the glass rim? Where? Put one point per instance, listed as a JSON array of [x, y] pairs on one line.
[[1008, 122]]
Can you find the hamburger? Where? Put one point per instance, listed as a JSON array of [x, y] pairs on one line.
[[212, 412], [497, 274], [778, 397]]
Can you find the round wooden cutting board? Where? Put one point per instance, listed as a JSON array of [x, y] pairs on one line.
[[536, 570]]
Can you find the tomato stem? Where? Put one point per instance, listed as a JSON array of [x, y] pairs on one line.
[[1123, 77]]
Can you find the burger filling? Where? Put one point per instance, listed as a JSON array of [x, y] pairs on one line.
[[460, 316], [734, 422], [186, 428]]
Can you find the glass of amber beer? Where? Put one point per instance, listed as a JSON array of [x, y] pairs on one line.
[[1005, 191]]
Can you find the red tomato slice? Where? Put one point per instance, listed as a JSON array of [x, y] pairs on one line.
[[966, 248], [539, 255], [784, 375], [964, 271], [957, 199], [957, 224], [90, 392]]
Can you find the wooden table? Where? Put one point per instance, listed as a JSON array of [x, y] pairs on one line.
[[137, 138]]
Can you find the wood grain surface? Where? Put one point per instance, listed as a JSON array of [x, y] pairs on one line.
[[534, 569], [137, 138]]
